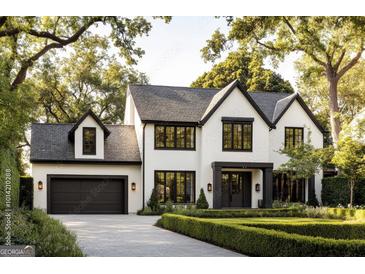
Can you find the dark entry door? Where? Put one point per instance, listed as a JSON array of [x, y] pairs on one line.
[[236, 189], [87, 195]]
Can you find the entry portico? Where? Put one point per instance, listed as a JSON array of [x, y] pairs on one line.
[[220, 168]]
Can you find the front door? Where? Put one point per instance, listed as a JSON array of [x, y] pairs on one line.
[[236, 189]]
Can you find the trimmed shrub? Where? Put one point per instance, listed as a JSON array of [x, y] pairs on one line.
[[243, 213], [50, 236], [153, 202], [336, 190], [202, 202], [26, 192], [256, 241], [8, 173], [326, 230]]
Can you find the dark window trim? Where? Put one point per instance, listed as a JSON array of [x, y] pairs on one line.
[[293, 128], [238, 119], [234, 149], [174, 189], [93, 152], [175, 141]]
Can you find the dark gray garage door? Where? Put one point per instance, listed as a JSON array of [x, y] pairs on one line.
[[84, 194]]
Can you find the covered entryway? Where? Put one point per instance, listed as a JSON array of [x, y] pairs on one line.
[[224, 194], [236, 189], [70, 194]]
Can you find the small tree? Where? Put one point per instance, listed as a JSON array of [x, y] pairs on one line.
[[304, 161], [153, 202], [349, 157], [202, 202]]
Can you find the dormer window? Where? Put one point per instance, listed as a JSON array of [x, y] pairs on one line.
[[89, 141]]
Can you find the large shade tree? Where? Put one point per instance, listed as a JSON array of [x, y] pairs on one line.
[[246, 67], [335, 44], [25, 41]]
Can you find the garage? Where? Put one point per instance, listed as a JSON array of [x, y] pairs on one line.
[[70, 194]]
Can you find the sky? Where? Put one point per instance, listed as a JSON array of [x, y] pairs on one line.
[[172, 51]]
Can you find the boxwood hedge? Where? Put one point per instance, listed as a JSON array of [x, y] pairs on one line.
[[256, 241]]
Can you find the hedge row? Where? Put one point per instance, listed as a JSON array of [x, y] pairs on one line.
[[242, 213], [325, 230], [336, 190], [49, 236], [255, 241]]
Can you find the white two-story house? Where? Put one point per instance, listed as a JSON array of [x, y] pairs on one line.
[[177, 140]]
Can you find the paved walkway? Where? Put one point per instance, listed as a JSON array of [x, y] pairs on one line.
[[134, 236]]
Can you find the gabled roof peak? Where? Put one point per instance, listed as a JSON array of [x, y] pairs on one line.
[[71, 133]]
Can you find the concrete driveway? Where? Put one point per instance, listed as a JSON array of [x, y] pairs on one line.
[[134, 236]]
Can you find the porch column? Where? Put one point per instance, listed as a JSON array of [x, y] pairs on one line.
[[267, 187], [217, 186], [311, 188]]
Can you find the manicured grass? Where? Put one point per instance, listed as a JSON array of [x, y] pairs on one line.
[[274, 236]]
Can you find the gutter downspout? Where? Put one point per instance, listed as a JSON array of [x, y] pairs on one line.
[[143, 163]]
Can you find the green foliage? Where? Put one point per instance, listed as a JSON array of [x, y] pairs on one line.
[[50, 237], [303, 160], [246, 67], [153, 203], [312, 201], [8, 173], [169, 206], [285, 204], [255, 241], [202, 202], [243, 213], [336, 191], [26, 192]]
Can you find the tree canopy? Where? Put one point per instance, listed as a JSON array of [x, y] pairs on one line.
[[334, 43], [246, 67]]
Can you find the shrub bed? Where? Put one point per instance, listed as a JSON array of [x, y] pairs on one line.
[[256, 241], [327, 230], [50, 237], [242, 213], [335, 191]]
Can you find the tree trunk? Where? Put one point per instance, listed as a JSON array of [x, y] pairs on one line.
[[352, 183], [334, 109]]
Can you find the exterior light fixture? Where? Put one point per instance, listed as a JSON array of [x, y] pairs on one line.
[[40, 185], [209, 187], [257, 187], [133, 186]]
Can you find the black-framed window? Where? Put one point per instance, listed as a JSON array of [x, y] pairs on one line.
[[177, 186], [89, 141], [294, 136], [174, 137], [237, 136]]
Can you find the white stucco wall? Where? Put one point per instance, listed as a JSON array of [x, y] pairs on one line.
[[89, 122], [40, 172], [235, 105], [295, 116], [184, 160]]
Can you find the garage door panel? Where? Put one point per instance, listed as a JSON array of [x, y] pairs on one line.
[[87, 195]]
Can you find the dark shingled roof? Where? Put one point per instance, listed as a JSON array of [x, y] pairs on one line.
[[184, 104], [50, 143], [171, 104]]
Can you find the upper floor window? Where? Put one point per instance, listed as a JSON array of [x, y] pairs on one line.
[[89, 141], [237, 136], [294, 136], [174, 137]]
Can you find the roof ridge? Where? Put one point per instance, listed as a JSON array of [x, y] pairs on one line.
[[168, 86], [60, 124]]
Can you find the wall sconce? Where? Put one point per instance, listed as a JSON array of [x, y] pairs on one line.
[[257, 187], [40, 185], [209, 187], [133, 186]]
